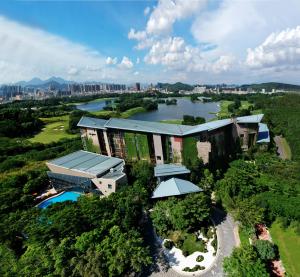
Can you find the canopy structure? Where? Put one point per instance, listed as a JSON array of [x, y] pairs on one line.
[[170, 170], [173, 187]]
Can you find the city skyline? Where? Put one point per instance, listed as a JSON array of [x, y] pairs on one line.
[[151, 41]]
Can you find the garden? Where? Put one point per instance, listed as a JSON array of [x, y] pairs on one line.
[[186, 233]]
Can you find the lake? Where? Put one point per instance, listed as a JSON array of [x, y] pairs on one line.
[[164, 112], [93, 106], [184, 107]]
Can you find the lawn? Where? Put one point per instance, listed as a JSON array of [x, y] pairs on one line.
[[223, 113], [244, 237], [172, 121], [54, 130], [125, 114], [288, 243], [286, 148]]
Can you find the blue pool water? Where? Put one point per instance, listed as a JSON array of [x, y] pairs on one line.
[[68, 195]]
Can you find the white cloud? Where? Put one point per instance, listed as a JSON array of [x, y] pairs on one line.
[[167, 12], [27, 52], [237, 25], [137, 60], [280, 51], [126, 63], [147, 10], [138, 35], [110, 60], [136, 73], [223, 64]]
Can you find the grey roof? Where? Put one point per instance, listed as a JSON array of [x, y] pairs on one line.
[[250, 118], [87, 162], [162, 128], [175, 186], [170, 169], [209, 126], [148, 126], [263, 133], [92, 122]]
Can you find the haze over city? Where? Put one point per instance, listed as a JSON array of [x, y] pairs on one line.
[[220, 41]]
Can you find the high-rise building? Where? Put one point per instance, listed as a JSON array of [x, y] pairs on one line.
[[137, 86]]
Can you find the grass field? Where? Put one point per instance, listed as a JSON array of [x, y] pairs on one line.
[[286, 148], [125, 114], [172, 121], [288, 243], [224, 113], [224, 109], [54, 130], [244, 238]]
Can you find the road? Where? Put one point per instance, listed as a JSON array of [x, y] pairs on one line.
[[227, 239]]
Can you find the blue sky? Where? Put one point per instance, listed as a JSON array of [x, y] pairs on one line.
[[195, 41]]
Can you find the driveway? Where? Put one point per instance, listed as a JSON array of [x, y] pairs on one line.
[[227, 239]]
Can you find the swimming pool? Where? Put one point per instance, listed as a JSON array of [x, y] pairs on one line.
[[67, 195]]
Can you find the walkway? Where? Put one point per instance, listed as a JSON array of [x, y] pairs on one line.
[[283, 149], [227, 238]]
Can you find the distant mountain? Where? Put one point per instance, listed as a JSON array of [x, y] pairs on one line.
[[175, 87], [38, 83], [272, 85]]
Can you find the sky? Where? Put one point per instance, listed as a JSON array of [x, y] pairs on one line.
[[192, 41]]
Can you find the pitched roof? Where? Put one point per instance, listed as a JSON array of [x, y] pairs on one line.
[[174, 186], [87, 162], [250, 118], [92, 122], [170, 169], [162, 128], [147, 126]]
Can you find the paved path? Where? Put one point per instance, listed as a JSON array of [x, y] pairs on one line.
[[282, 152], [227, 239]]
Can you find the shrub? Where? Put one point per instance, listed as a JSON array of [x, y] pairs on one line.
[[214, 243], [265, 249], [168, 244], [195, 268], [185, 253], [200, 258]]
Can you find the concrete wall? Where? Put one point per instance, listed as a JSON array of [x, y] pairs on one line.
[[61, 170], [103, 184], [244, 130], [158, 151], [106, 143], [204, 149], [176, 143]]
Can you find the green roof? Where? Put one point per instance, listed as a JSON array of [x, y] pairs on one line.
[[87, 162], [173, 187]]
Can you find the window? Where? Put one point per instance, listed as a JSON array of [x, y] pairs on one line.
[[158, 158], [109, 186], [241, 135]]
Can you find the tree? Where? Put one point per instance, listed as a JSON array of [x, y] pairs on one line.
[[207, 182], [244, 262], [247, 212], [265, 249]]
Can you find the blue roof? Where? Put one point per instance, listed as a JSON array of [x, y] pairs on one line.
[[170, 169], [162, 128], [173, 187], [250, 118], [263, 133], [87, 162]]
